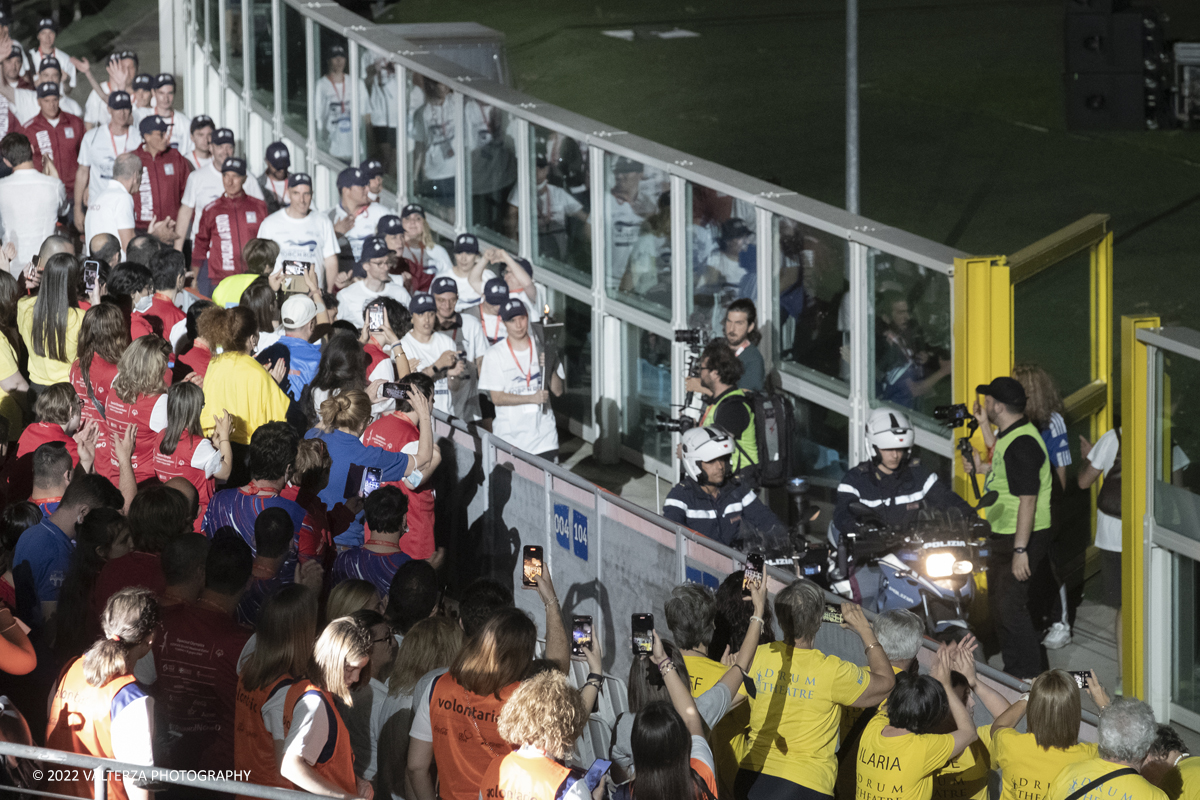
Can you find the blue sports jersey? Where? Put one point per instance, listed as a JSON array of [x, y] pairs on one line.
[[361, 564], [1058, 445]]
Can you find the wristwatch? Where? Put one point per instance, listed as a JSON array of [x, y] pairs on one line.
[[1020, 549]]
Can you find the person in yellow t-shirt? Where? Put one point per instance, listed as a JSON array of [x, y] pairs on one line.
[[1171, 768], [899, 752], [790, 750], [49, 323], [1028, 762], [691, 613], [1126, 732]]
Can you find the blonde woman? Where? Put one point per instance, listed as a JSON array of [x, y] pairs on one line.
[[411, 238], [82, 719], [138, 399], [1053, 712], [349, 597]]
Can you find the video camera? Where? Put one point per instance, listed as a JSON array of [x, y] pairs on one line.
[[664, 423], [953, 416], [695, 338]]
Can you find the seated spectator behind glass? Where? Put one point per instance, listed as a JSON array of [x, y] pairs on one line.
[[400, 432], [378, 558], [103, 535], [183, 451], [138, 399], [43, 553], [1170, 767], [50, 321], [182, 560], [272, 452], [905, 369], [484, 675], [99, 708], [103, 337], [195, 352], [52, 473], [344, 418], [1052, 743], [1126, 733], [272, 682], [260, 256], [196, 657], [429, 645], [800, 751]]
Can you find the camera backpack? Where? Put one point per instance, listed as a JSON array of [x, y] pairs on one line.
[[774, 426]]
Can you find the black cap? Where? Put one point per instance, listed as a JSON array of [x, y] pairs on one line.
[[389, 226], [466, 243], [234, 164], [337, 50], [421, 302], [351, 176], [16, 52], [49, 62], [513, 308], [734, 228], [119, 99], [412, 208], [278, 155], [444, 285], [144, 81], [153, 123], [495, 292], [525, 265], [373, 247], [371, 168], [201, 121], [47, 89], [223, 136], [1005, 389], [627, 165], [297, 178], [541, 161], [163, 79], [5, 19], [47, 23]]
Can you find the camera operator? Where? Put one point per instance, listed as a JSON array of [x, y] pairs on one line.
[[715, 502], [742, 336], [1017, 571], [727, 406], [895, 489]]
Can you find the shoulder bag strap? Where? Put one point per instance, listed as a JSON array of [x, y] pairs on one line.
[[1078, 793]]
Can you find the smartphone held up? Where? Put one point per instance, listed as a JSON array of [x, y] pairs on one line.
[[531, 568]]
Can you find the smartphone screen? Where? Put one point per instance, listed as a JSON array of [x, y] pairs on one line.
[[1081, 678], [581, 634], [370, 480], [354, 480], [294, 267], [91, 273], [375, 318], [532, 569], [393, 390], [596, 773], [643, 627], [832, 614], [753, 574]]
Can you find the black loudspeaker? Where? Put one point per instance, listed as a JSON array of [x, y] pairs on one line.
[[1108, 101], [1095, 6], [1130, 41]]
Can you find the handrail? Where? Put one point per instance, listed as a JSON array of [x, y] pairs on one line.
[[154, 774]]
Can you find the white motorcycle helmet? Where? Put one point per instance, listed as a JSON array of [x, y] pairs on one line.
[[703, 444], [888, 429]]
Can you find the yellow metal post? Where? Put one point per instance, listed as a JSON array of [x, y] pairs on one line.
[[1135, 406]]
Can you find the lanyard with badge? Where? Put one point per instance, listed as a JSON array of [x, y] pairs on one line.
[[496, 338], [343, 120], [527, 375]]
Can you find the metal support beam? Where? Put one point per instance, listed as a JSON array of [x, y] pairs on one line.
[[852, 164]]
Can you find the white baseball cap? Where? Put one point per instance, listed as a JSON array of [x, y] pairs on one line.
[[297, 311]]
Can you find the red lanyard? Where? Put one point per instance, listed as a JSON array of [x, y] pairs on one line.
[[340, 95], [277, 192], [253, 488], [195, 160], [421, 257], [528, 375], [124, 144], [497, 330]]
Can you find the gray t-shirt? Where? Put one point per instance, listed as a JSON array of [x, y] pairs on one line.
[[712, 705]]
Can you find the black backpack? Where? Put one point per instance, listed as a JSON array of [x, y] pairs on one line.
[[774, 426]]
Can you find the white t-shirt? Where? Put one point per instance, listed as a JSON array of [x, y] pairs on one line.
[[132, 729], [99, 149], [27, 107], [624, 224], [554, 205], [364, 224], [309, 239], [204, 186], [1102, 456], [334, 105], [30, 203], [433, 126], [310, 727], [422, 355], [180, 131], [195, 160], [64, 62], [493, 328], [352, 299], [474, 342], [70, 106], [382, 107], [467, 296], [110, 211], [527, 426], [383, 707], [96, 108]]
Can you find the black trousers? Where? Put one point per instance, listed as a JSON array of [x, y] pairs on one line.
[[1013, 604]]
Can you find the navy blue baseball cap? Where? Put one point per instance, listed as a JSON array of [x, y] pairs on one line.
[[50, 62], [412, 208], [337, 50], [421, 302], [351, 176], [373, 247], [371, 168], [223, 136], [495, 292], [278, 155], [389, 226], [512, 309], [525, 265], [201, 121], [47, 23], [297, 178], [143, 81], [164, 79], [466, 243], [48, 89], [119, 99], [153, 123], [234, 164], [444, 285]]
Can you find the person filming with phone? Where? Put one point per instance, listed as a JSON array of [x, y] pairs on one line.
[[713, 501]]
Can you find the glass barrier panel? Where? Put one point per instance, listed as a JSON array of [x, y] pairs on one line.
[[295, 82], [1060, 342], [1177, 437], [911, 339], [333, 100], [431, 136], [562, 200], [821, 441], [491, 136], [574, 337], [639, 235], [646, 388], [1185, 661], [213, 28], [233, 41], [722, 254], [812, 282], [379, 74], [262, 61]]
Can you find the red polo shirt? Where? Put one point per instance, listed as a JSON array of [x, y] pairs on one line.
[[163, 179], [60, 142]]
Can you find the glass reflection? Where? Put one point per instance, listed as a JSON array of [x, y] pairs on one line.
[[492, 173], [433, 130], [561, 200], [813, 288], [383, 111], [334, 98], [646, 379], [639, 235], [722, 253]]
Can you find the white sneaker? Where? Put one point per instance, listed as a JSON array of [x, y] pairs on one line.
[[1058, 636]]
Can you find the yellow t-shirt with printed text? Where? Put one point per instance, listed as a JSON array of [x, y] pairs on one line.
[[966, 777], [899, 767], [1182, 782], [1126, 787], [704, 673], [794, 719], [1028, 769]]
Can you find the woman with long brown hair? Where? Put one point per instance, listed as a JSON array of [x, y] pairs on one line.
[[138, 398], [183, 451], [49, 322]]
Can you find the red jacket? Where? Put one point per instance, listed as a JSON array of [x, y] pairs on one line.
[[60, 142], [226, 225], [163, 179]]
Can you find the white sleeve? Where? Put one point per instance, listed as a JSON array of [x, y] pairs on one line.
[[247, 651], [1104, 453], [330, 247], [702, 752], [310, 728], [272, 714], [207, 458], [132, 729], [713, 703], [1179, 459], [410, 449], [440, 258], [491, 378], [384, 371], [422, 728], [124, 215], [570, 204], [177, 331], [85, 148], [158, 417], [253, 189], [189, 191]]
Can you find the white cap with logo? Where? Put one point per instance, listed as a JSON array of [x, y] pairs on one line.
[[297, 311]]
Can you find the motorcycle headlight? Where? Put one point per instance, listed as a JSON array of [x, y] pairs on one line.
[[939, 565], [963, 567]]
